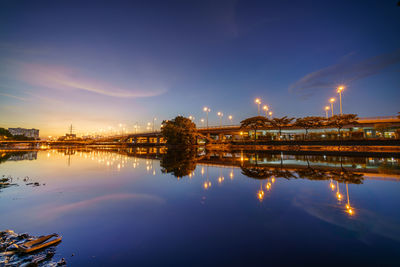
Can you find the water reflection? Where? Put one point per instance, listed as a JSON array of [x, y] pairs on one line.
[[147, 194]]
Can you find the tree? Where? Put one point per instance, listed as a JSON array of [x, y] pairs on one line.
[[309, 123], [339, 121], [4, 132], [280, 123], [179, 131], [254, 123]]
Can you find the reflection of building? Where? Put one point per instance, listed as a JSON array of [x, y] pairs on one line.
[[32, 133], [31, 155]]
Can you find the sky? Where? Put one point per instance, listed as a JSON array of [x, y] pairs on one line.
[[97, 64]]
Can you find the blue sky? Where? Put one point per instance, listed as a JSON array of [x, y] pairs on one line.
[[97, 64]]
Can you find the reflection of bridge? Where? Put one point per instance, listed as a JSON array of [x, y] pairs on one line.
[[289, 162]]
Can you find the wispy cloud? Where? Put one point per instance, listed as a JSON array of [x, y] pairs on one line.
[[346, 71], [66, 78], [14, 96]]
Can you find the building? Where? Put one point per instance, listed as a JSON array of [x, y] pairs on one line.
[[32, 133]]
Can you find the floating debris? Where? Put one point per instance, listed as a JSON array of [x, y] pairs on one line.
[[26, 250], [8, 181]]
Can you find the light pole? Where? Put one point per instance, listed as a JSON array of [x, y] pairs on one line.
[[220, 115], [332, 100], [339, 90], [202, 122], [136, 124], [326, 111], [265, 107], [206, 110], [154, 120], [258, 102], [230, 117], [191, 118], [270, 114]]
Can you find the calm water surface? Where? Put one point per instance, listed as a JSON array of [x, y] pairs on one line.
[[118, 208]]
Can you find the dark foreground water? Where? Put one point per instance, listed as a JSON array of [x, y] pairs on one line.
[[118, 208]]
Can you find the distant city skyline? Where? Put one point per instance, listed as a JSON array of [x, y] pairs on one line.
[[97, 65]]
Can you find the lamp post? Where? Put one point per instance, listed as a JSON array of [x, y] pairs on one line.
[[270, 114], [206, 110], [220, 115], [339, 90], [258, 102], [230, 117], [191, 118], [154, 120], [326, 111], [265, 107], [202, 122], [332, 100]]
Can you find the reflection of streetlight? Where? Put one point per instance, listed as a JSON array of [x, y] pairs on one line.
[[338, 195], [332, 185], [348, 207], [207, 183], [339, 90], [265, 107], [332, 100], [258, 102], [220, 115], [206, 110], [326, 111], [260, 193]]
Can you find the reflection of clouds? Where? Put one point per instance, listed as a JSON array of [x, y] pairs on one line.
[[364, 223], [93, 202]]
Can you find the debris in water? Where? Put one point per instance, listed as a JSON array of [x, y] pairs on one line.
[[25, 250]]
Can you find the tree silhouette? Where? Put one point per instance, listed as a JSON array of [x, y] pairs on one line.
[[254, 123], [280, 123], [310, 122], [339, 121]]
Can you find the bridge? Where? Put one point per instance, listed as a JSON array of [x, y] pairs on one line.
[[221, 133]]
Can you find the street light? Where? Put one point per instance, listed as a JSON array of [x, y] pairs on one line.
[[265, 107], [258, 102], [202, 122], [339, 90], [270, 114], [154, 119], [326, 111], [191, 118], [220, 115], [206, 110], [332, 100], [230, 117]]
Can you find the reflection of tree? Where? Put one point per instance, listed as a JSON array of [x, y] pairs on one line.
[[257, 172], [262, 173], [178, 162], [342, 175]]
